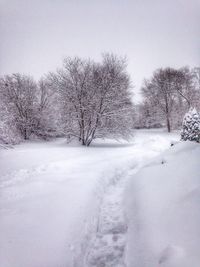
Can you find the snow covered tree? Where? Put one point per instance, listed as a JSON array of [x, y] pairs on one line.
[[196, 86], [191, 126], [159, 91], [48, 111], [95, 97], [27, 107], [171, 92], [147, 116], [8, 130], [18, 93]]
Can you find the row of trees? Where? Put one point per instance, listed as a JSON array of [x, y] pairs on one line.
[[84, 100], [167, 96]]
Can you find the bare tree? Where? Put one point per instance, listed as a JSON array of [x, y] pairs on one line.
[[186, 84], [196, 86], [172, 92], [147, 116], [29, 107], [8, 130], [18, 93], [161, 92], [196, 75], [48, 110], [95, 97]]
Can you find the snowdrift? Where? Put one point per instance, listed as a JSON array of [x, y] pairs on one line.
[[163, 210]]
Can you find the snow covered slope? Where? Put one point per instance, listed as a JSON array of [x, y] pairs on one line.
[[61, 205], [163, 207]]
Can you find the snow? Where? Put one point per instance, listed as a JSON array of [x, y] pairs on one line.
[[66, 205], [162, 203]]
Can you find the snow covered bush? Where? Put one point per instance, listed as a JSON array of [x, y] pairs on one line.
[[191, 126]]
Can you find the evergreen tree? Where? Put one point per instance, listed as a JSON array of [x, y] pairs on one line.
[[191, 126]]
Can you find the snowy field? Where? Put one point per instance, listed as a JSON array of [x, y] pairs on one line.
[[112, 204]]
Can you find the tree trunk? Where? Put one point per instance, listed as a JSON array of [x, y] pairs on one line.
[[25, 134], [83, 142], [168, 124]]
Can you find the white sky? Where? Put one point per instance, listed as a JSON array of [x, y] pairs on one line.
[[36, 35]]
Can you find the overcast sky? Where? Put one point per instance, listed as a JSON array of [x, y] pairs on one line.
[[36, 35]]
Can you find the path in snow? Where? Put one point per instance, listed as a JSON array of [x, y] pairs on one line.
[[107, 247]]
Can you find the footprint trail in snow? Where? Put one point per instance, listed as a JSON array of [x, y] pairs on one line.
[[108, 245]]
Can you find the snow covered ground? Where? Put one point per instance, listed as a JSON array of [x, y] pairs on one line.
[[163, 207], [64, 205]]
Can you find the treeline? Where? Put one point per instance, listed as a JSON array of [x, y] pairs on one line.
[[83, 100], [167, 96]]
